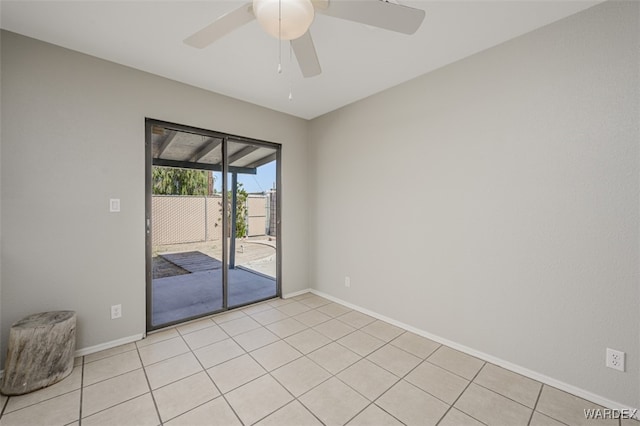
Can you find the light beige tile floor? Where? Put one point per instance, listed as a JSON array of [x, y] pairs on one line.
[[294, 362]]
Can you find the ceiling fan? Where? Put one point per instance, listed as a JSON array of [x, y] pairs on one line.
[[291, 19]]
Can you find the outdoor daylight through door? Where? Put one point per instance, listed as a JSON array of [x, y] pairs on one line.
[[212, 222]]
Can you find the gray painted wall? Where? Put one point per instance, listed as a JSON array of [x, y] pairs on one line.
[[509, 218], [73, 125]]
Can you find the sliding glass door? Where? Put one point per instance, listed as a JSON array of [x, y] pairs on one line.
[[212, 222], [252, 249]]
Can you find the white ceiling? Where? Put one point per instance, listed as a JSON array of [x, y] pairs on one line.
[[357, 61]]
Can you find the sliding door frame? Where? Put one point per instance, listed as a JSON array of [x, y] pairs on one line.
[[149, 123]]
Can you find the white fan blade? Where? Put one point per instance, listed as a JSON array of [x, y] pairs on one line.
[[306, 55], [320, 4], [222, 26], [377, 13]]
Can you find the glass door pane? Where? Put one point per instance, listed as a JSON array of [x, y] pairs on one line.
[[252, 200], [186, 222]]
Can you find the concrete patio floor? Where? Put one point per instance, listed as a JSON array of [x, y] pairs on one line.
[[254, 253], [190, 295], [194, 287]]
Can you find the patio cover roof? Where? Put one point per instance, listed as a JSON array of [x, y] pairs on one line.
[[177, 148]]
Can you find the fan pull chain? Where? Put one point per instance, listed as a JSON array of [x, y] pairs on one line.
[[279, 36], [290, 74], [280, 50]]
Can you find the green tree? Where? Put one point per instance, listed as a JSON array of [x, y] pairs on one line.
[[241, 210], [171, 181]]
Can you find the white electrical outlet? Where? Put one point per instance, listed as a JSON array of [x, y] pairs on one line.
[[116, 311], [615, 359], [347, 281]]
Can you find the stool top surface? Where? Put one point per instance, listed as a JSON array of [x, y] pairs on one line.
[[44, 318]]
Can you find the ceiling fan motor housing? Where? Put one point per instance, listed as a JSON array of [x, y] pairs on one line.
[[284, 19]]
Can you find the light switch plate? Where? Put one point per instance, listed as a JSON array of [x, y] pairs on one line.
[[114, 205]]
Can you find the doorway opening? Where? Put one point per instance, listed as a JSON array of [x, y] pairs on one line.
[[212, 222]]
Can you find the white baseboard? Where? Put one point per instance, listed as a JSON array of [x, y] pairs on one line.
[[108, 345], [296, 293], [600, 400]]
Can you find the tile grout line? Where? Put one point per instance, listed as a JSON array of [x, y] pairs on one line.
[[453, 372], [389, 343], [110, 356], [115, 405], [400, 378], [535, 405], [287, 390], [198, 329], [403, 377], [332, 375], [480, 385], [505, 396], [462, 393], [335, 376], [81, 391], [295, 398], [4, 406], [153, 398], [533, 409], [204, 370], [104, 380], [303, 355], [544, 414], [212, 381], [370, 402]]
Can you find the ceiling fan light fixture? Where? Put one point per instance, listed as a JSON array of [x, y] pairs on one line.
[[296, 15]]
